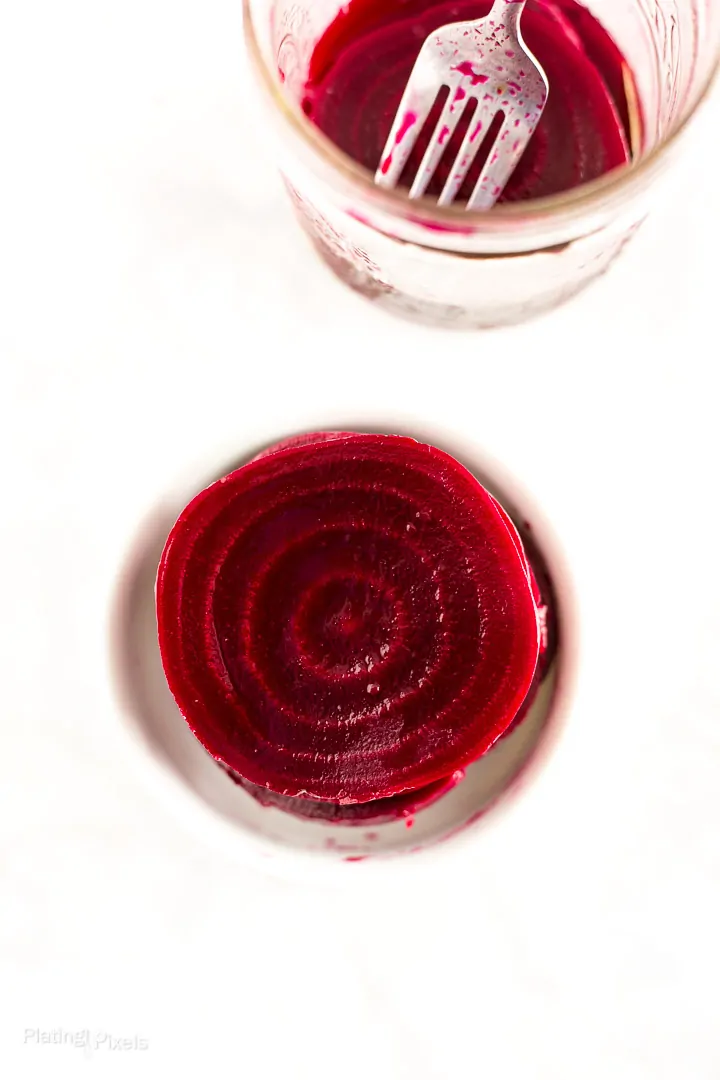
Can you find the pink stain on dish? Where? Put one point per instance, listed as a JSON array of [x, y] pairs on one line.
[[434, 226], [444, 134], [360, 218], [459, 94], [476, 132], [409, 822], [385, 167], [510, 53], [409, 120], [355, 858], [475, 77], [514, 86]]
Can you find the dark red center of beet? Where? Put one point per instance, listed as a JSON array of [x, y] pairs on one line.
[[347, 619], [361, 65]]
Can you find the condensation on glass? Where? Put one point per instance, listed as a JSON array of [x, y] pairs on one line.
[[464, 270]]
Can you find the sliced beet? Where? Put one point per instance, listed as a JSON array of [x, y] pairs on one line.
[[361, 65], [348, 619]]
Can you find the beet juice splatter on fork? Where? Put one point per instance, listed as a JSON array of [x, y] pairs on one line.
[[362, 63]]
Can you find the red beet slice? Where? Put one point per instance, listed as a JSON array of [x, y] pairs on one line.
[[361, 65], [347, 620]]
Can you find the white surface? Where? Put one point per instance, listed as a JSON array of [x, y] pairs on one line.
[[147, 284]]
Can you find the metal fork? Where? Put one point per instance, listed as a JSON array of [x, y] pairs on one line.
[[486, 61]]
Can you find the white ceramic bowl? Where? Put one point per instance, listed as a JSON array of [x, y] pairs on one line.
[[204, 794]]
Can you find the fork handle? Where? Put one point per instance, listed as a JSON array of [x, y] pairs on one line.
[[507, 12]]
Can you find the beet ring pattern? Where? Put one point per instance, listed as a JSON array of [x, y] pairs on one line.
[[348, 619]]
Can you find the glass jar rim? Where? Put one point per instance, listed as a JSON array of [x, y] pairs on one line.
[[568, 205]]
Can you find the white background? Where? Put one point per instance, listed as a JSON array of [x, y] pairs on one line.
[[160, 313]]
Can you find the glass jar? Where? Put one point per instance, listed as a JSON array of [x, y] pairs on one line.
[[453, 268]]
